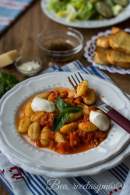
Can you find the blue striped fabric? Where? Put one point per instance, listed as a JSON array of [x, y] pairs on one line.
[[38, 185], [4, 182], [10, 10]]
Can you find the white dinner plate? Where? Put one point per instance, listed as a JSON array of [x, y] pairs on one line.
[[125, 14], [35, 169], [89, 51], [47, 159]]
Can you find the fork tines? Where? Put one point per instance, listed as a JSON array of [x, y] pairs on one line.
[[75, 79]]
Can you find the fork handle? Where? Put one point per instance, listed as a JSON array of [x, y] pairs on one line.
[[119, 119]]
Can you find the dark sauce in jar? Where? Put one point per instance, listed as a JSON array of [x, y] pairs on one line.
[[60, 46], [60, 52]]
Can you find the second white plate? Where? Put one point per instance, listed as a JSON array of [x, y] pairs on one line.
[[125, 14]]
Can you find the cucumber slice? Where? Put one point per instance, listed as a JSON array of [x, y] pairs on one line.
[[121, 2], [104, 9]]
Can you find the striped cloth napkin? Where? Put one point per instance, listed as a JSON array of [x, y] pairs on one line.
[[112, 182], [10, 10]]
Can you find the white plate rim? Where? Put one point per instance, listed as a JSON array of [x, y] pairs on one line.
[[40, 77], [90, 171], [87, 24], [59, 174]]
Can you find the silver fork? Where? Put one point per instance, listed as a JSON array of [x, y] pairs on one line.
[[123, 122]]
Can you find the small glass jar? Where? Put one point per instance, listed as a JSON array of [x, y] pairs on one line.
[[28, 67], [60, 45]]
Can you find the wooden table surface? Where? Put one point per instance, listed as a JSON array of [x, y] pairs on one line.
[[23, 35]]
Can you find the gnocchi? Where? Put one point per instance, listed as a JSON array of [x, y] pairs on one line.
[[75, 116], [67, 128], [44, 95], [90, 98], [45, 136], [62, 92], [87, 126], [59, 138], [24, 125], [86, 109], [34, 131], [53, 95], [28, 110], [37, 116], [82, 88]]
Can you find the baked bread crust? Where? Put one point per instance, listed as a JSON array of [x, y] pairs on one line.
[[113, 49]]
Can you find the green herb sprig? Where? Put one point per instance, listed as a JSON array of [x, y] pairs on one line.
[[7, 81], [67, 113]]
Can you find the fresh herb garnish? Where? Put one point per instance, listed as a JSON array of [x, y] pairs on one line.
[[63, 107], [60, 104], [65, 113], [60, 121], [7, 81]]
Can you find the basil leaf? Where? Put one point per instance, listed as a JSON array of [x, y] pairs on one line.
[[60, 104], [63, 107], [60, 121], [66, 113], [74, 116], [72, 109]]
